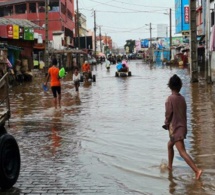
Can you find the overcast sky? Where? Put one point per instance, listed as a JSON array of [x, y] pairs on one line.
[[127, 19]]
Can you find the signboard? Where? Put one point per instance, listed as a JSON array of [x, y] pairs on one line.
[[28, 33], [15, 32], [144, 43], [186, 14], [185, 33], [162, 30], [9, 31], [177, 41], [21, 32], [137, 45]]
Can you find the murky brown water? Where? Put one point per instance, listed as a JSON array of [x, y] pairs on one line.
[[111, 134]]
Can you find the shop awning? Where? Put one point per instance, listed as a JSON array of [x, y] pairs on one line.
[[19, 22]]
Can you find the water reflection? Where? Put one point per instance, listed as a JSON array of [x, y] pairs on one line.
[[172, 183]]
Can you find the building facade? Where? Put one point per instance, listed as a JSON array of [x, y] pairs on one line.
[[60, 16], [181, 16]]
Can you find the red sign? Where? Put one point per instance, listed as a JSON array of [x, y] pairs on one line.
[[9, 31], [186, 14]]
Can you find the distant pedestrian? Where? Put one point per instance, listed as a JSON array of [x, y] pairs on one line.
[[86, 69], [53, 73], [76, 79], [176, 124]]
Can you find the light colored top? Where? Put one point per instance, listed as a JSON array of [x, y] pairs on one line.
[[176, 116], [76, 77]]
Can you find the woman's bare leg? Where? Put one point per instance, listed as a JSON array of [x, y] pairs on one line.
[[181, 149]]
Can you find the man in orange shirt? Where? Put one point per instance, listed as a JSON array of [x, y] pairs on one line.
[[53, 73], [86, 70], [86, 67]]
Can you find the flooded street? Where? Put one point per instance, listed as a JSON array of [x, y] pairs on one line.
[[109, 140]]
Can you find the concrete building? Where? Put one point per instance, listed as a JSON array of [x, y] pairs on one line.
[[61, 21]]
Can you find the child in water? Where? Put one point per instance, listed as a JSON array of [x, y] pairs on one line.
[[176, 124], [76, 79]]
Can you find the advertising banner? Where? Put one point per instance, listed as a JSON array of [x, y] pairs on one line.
[[186, 14], [137, 45], [28, 33], [177, 41], [144, 43], [15, 32], [21, 32], [10, 31]]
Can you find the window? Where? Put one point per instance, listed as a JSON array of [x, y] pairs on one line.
[[6, 11], [32, 7], [54, 6], [69, 15], [63, 9], [20, 9], [212, 18], [41, 7]]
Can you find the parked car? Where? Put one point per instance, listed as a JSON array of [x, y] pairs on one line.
[[92, 61]]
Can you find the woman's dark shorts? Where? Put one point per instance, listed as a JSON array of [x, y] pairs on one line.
[[55, 90]]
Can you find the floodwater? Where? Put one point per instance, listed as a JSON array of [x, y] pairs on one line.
[[109, 138]]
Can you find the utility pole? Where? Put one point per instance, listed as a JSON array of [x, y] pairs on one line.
[[100, 37], [95, 31], [106, 44], [150, 48], [46, 55], [170, 33], [77, 23], [78, 36], [193, 43], [207, 44]]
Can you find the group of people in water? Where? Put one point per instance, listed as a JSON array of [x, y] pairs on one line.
[[53, 75]]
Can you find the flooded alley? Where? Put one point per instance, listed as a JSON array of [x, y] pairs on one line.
[[109, 139]]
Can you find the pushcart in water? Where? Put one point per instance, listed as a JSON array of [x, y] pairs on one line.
[[9, 150]]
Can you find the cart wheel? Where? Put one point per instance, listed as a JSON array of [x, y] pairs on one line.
[[9, 161], [116, 74], [81, 78], [94, 78], [129, 73]]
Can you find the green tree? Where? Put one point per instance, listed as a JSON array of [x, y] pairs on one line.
[[130, 44]]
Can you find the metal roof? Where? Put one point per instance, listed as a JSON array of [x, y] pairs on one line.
[[20, 22]]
